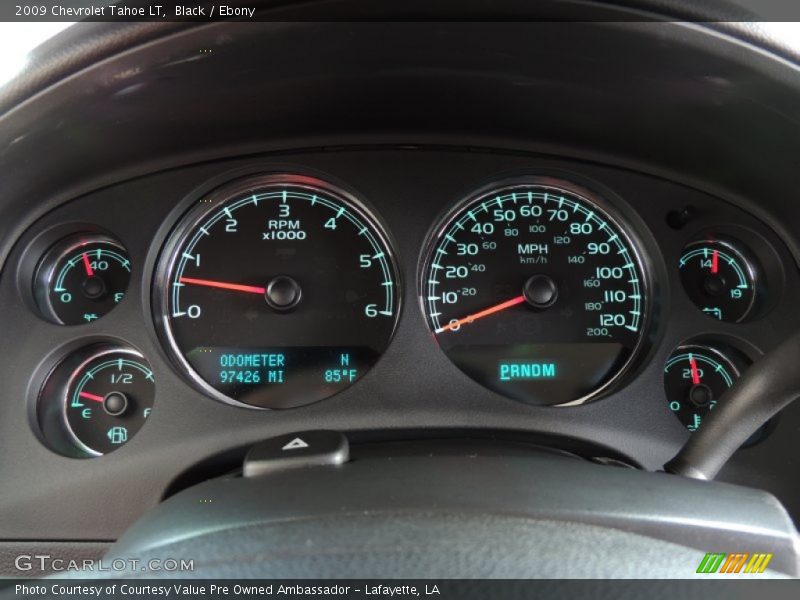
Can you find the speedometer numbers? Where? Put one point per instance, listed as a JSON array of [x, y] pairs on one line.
[[277, 291], [536, 292]]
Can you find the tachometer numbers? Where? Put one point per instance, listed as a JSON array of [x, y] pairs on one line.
[[719, 280], [81, 279], [536, 292], [277, 291]]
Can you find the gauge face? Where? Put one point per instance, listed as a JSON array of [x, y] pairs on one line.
[[277, 291], [108, 399], [81, 279], [534, 291], [95, 400], [694, 379], [719, 280]]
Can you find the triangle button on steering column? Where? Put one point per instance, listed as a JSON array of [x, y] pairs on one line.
[[295, 450]]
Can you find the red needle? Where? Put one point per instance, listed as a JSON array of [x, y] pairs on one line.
[[484, 313], [695, 372], [253, 289], [92, 397], [87, 265], [715, 262]]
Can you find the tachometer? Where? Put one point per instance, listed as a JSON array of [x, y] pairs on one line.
[[536, 292], [277, 291]]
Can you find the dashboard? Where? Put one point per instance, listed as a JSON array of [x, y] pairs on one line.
[[203, 267], [409, 289]]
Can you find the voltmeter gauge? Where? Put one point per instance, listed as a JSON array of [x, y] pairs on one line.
[[81, 278], [537, 291], [719, 279], [96, 400], [694, 379]]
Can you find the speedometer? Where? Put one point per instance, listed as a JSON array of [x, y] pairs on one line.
[[276, 291], [536, 292]]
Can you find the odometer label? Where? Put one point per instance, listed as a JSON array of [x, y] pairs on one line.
[[535, 291]]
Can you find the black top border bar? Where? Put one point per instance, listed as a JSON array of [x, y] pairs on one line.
[[400, 10]]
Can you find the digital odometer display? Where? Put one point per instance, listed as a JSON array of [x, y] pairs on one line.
[[534, 291], [277, 291]]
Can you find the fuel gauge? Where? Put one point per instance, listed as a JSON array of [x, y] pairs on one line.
[[96, 400], [719, 280]]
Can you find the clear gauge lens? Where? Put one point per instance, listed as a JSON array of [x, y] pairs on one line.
[[96, 400], [695, 377], [81, 279], [277, 291], [719, 280], [536, 292]]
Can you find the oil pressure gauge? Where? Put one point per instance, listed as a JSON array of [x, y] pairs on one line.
[[81, 278]]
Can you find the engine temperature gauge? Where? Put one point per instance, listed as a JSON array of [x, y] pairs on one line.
[[81, 278], [694, 379], [719, 280], [96, 400]]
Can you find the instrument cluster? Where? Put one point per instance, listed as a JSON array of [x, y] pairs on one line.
[[281, 288]]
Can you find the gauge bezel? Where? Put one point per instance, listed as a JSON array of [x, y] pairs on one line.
[[211, 201], [46, 270], [608, 209], [750, 271]]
